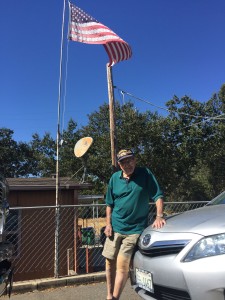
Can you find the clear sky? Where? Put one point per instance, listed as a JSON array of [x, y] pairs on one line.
[[178, 49]]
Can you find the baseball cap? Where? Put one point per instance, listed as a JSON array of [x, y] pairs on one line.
[[124, 153]]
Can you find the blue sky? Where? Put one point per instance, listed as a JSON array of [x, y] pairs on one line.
[[178, 49]]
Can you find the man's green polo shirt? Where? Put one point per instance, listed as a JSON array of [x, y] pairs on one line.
[[129, 200]]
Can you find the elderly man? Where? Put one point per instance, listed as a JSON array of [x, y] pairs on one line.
[[127, 208]]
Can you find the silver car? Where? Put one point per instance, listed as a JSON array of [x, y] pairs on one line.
[[185, 259]]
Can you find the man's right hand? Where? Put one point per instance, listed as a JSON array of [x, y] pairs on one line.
[[108, 230]]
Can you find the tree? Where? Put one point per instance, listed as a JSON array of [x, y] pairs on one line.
[[45, 153], [214, 153], [185, 150], [44, 150], [129, 131], [16, 159], [69, 164]]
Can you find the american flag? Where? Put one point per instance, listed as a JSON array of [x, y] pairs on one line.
[[85, 29]]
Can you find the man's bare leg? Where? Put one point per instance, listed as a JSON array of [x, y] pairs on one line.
[[122, 272], [110, 268]]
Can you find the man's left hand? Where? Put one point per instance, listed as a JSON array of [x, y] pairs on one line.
[[159, 223]]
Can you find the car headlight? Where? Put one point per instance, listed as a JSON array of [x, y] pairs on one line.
[[208, 246]]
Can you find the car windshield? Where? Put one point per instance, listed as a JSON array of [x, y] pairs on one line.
[[220, 199]]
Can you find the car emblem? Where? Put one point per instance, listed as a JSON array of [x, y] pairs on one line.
[[146, 240]]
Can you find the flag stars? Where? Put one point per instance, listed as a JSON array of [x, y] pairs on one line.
[[78, 15], [86, 29]]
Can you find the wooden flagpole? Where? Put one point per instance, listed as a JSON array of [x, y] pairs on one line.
[[112, 117]]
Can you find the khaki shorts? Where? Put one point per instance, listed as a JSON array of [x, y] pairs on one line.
[[120, 244]]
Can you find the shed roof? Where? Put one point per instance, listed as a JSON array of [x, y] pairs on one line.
[[89, 199], [45, 183]]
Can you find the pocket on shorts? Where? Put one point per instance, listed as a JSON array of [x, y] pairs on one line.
[[112, 246]]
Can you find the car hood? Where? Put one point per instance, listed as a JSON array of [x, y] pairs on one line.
[[207, 220]]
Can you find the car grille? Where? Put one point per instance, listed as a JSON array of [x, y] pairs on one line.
[[164, 248], [163, 293]]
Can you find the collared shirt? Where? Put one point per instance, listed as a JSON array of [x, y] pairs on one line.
[[129, 200]]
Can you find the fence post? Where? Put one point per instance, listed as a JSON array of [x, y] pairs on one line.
[[56, 262], [89, 267]]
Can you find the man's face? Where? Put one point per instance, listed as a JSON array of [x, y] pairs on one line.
[[127, 165]]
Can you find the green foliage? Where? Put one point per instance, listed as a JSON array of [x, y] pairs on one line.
[[185, 150], [69, 164], [16, 159], [44, 150]]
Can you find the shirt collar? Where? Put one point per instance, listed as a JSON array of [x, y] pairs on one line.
[[121, 174]]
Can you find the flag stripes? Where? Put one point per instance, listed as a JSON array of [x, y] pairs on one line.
[[85, 29]]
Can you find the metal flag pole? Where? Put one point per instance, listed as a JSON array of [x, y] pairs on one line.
[[56, 263], [112, 117]]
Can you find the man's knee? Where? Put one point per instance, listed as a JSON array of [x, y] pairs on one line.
[[123, 263], [110, 264]]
